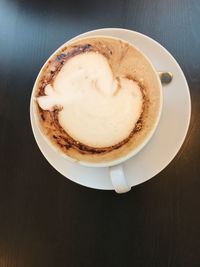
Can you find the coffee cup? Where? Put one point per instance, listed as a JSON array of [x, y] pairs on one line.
[[125, 79]]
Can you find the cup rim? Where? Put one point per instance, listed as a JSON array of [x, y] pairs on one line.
[[101, 164]]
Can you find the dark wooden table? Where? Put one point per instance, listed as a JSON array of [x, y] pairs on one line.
[[45, 219]]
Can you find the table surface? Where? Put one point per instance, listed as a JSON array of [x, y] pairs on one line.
[[47, 220]]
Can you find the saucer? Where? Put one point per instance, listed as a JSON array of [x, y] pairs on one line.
[[166, 141]]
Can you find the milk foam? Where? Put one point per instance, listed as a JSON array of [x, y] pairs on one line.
[[96, 109]]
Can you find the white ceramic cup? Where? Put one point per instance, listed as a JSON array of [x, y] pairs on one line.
[[117, 175]]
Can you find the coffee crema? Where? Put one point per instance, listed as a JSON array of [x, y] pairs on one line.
[[97, 99]]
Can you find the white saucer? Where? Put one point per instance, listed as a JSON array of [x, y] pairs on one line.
[[165, 143]]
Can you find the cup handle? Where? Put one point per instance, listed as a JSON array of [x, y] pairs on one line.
[[118, 179]]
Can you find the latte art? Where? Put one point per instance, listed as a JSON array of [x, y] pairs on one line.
[[97, 99], [95, 109]]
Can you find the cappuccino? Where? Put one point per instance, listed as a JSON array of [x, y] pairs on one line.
[[97, 99]]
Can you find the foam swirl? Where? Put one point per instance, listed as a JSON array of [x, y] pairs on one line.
[[95, 109], [102, 110]]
